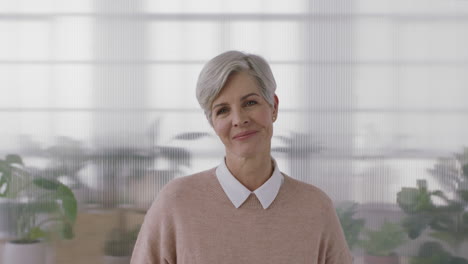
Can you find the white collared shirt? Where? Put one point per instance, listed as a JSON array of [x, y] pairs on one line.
[[238, 193]]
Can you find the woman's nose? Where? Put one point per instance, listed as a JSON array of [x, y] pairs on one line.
[[240, 118]]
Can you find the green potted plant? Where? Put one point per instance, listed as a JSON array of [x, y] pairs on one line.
[[119, 245], [65, 161], [380, 244], [352, 226], [446, 221], [432, 252], [44, 207]]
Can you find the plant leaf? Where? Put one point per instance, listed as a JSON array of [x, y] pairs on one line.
[[458, 260], [14, 159], [47, 184], [5, 179], [36, 233], [463, 195], [465, 170], [446, 237], [443, 222], [417, 200], [431, 253], [4, 165], [440, 194], [69, 203], [415, 225], [383, 241], [67, 231], [62, 193]]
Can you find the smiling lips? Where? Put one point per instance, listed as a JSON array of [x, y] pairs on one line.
[[244, 135]]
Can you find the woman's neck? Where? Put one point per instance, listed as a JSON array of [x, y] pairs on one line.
[[252, 172]]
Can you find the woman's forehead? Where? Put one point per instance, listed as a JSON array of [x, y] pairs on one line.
[[239, 84]]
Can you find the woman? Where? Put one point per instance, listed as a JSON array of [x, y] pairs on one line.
[[244, 210]]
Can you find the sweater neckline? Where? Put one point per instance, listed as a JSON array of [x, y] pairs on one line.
[[252, 201]]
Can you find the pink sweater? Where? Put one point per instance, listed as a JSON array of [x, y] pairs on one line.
[[193, 221]]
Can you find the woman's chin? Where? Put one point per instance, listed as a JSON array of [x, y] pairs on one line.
[[250, 152]]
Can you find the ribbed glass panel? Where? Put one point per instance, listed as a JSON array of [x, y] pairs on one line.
[[98, 97]]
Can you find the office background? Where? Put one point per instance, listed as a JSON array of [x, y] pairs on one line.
[[100, 95]]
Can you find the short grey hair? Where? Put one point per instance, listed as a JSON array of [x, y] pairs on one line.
[[214, 74]]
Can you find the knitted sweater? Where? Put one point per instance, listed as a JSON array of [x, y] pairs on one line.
[[193, 221]]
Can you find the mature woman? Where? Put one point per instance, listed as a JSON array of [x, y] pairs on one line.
[[245, 210]]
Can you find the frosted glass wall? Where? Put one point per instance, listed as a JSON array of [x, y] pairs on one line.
[[100, 95]]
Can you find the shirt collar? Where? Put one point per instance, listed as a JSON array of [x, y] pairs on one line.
[[238, 193]]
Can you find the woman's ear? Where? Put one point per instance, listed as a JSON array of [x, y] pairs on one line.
[[275, 107]]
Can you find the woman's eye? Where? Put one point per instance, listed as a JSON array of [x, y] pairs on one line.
[[251, 103], [221, 111]]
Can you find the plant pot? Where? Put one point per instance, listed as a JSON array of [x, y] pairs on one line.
[[381, 260], [116, 260], [18, 253]]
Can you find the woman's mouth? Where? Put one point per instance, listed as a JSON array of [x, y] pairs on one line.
[[244, 135]]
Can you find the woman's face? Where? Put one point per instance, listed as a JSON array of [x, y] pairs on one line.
[[242, 118]]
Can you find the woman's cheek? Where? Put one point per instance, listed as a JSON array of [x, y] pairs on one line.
[[220, 127], [225, 128]]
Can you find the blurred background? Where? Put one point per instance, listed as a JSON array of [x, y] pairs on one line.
[[99, 95]]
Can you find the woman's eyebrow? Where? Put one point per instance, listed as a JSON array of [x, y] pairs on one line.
[[247, 95], [242, 98]]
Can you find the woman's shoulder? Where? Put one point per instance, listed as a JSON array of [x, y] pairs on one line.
[[187, 184], [181, 191], [307, 191]]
